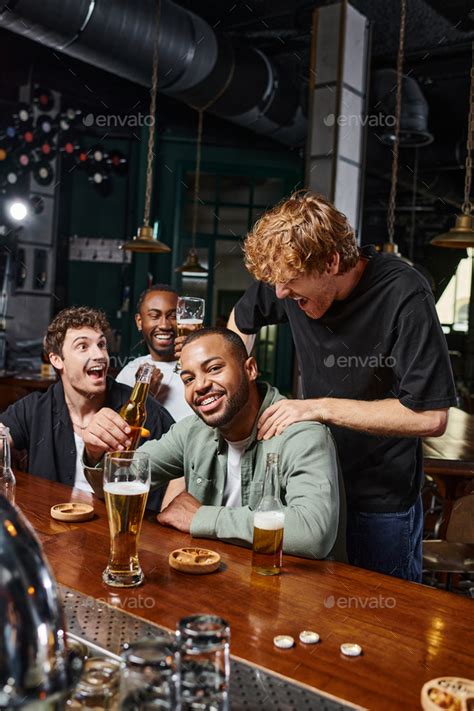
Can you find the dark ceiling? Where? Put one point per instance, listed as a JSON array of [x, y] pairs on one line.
[[438, 55]]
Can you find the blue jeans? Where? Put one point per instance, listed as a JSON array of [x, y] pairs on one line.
[[389, 543]]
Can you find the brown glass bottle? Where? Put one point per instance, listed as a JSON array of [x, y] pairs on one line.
[[134, 411]]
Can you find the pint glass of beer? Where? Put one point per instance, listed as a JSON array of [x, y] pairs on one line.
[[269, 523], [189, 318], [189, 314], [126, 487]]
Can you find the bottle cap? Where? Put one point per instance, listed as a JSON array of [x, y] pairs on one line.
[[350, 649], [283, 641], [308, 637]]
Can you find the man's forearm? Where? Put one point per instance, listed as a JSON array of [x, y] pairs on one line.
[[248, 339], [387, 418]]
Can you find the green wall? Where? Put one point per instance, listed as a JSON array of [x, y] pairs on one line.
[[88, 213]]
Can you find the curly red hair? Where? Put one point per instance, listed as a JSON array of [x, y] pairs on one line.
[[299, 235]]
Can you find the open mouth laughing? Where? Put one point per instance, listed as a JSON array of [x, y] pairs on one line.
[[209, 402], [97, 372], [163, 339], [301, 301]]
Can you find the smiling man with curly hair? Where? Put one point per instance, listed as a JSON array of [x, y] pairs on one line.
[[50, 425], [373, 361]]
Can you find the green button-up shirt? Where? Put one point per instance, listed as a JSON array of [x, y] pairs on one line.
[[308, 474]]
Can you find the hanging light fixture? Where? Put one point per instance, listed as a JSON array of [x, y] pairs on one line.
[[390, 246], [145, 239], [462, 234], [191, 265]]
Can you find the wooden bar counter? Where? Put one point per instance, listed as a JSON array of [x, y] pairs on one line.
[[409, 633]]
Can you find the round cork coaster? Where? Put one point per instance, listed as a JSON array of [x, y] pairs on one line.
[[449, 692], [73, 512], [196, 561]]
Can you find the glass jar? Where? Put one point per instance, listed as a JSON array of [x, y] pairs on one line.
[[150, 675], [98, 686], [204, 649]]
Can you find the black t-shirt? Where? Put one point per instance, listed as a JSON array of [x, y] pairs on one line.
[[383, 341]]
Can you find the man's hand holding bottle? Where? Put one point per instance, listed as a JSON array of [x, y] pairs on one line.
[[106, 432]]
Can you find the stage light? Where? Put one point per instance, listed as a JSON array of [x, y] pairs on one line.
[[18, 210]]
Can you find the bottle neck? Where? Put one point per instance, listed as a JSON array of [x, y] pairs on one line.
[[271, 486], [142, 385], [5, 461]]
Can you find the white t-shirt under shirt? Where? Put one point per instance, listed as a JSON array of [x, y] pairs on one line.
[[80, 482], [171, 393], [232, 491]]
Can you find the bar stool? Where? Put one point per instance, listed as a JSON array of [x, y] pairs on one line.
[[455, 555]]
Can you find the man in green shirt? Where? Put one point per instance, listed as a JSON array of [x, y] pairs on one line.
[[221, 459]]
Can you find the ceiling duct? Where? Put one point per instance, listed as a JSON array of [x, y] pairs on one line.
[[414, 111], [196, 65]]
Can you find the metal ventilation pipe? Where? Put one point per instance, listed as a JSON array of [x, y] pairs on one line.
[[195, 63], [414, 111]]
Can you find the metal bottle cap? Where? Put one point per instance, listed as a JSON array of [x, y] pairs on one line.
[[308, 637], [283, 641], [350, 649]]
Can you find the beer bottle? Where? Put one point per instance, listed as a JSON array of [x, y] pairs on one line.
[[269, 522], [7, 478], [134, 411]]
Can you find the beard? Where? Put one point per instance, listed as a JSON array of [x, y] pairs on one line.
[[165, 352], [235, 403]]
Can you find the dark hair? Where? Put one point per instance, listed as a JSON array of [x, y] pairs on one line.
[[154, 287], [238, 346], [73, 317]]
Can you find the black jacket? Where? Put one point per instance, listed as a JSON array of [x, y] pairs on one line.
[[40, 423]]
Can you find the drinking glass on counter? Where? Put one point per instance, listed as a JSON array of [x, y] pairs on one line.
[[189, 317], [97, 687], [126, 487], [150, 675], [203, 642], [269, 523]]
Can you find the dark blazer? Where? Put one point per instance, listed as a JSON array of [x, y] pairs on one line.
[[40, 423]]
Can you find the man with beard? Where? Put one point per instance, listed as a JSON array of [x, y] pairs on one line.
[[50, 425], [221, 459], [156, 321]]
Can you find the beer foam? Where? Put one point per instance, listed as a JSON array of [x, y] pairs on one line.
[[269, 520], [189, 322], [126, 488]]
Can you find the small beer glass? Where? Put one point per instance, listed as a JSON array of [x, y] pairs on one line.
[[189, 317], [203, 642], [269, 523], [126, 487], [150, 675]]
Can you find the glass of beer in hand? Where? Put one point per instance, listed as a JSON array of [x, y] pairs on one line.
[[189, 317], [126, 487], [269, 523]]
